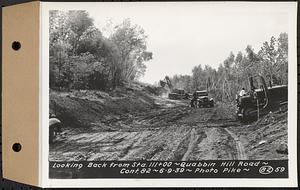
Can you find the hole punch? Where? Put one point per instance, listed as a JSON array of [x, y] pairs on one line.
[[16, 45], [17, 147]]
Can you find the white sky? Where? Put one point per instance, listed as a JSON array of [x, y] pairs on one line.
[[183, 35]]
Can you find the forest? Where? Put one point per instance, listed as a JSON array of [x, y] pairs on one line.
[[81, 57], [271, 62]]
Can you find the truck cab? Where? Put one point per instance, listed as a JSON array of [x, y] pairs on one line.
[[201, 99]]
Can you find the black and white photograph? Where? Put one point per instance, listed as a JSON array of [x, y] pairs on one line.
[[167, 82]]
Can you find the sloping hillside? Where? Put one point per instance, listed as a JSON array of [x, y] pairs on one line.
[[87, 108]]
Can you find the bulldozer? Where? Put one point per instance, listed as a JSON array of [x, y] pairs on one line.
[[260, 100]]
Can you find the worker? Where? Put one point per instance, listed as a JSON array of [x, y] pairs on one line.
[[242, 92]]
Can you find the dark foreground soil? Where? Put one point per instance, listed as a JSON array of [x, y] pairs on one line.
[[134, 124]]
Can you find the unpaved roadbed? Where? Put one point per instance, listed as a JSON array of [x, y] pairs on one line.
[[171, 130]]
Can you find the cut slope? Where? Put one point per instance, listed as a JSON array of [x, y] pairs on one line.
[[91, 108]]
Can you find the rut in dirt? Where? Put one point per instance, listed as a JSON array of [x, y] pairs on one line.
[[168, 133], [241, 155]]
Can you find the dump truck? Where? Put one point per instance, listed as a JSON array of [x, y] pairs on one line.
[[201, 99], [260, 99]]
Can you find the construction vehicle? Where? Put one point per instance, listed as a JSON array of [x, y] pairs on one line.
[[260, 100], [166, 81], [201, 99], [178, 94], [55, 126], [175, 94]]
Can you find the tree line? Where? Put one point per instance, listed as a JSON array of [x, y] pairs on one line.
[[271, 62], [81, 57]]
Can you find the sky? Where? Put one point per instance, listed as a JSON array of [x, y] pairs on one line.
[[184, 35]]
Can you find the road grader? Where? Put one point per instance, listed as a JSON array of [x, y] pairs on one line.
[[260, 100]]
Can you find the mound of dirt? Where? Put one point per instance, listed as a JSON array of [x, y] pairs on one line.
[[87, 108], [266, 138]]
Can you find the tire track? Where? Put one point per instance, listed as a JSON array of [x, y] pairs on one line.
[[193, 141], [241, 155]]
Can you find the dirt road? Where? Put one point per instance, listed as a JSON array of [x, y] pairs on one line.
[[171, 131]]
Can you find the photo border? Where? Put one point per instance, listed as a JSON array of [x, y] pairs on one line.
[[178, 182]]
